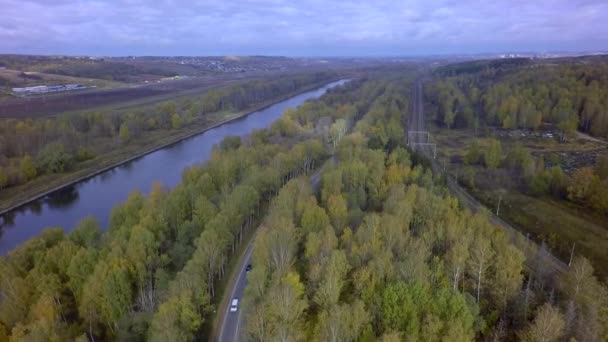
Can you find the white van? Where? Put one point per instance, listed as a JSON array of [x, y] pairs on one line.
[[234, 305]]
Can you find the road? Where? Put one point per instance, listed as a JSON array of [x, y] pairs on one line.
[[551, 263], [231, 324]]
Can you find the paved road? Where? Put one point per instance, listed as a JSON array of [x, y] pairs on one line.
[[417, 123], [230, 330], [231, 324]]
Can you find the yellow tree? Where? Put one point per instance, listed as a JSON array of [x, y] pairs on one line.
[[548, 325], [28, 169]]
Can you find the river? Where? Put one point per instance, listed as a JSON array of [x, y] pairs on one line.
[[96, 196]]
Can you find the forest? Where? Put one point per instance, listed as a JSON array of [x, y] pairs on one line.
[[521, 133], [381, 252], [520, 93], [33, 147], [152, 273]]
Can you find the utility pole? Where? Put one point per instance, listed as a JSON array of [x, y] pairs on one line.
[[498, 206], [571, 254]]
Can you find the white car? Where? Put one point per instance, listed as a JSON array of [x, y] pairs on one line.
[[234, 306]]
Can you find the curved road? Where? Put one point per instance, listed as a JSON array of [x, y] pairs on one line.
[[231, 323]]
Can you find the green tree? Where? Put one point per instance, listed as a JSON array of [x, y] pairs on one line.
[[314, 218], [493, 154], [332, 280], [539, 184], [176, 320], [80, 268], [520, 159], [481, 256], [448, 118], [168, 108], [87, 233], [418, 313], [601, 166], [27, 167], [3, 178], [108, 292], [176, 121], [473, 154], [230, 143], [53, 158], [337, 131], [343, 322], [399, 309], [579, 279], [287, 308], [336, 207], [582, 184], [123, 133], [567, 120], [507, 279]]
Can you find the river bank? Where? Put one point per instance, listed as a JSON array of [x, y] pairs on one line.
[[15, 197]]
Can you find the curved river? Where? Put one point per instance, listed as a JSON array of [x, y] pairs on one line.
[[97, 195]]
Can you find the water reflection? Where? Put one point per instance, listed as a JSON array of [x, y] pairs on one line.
[[8, 219], [36, 207], [63, 198]]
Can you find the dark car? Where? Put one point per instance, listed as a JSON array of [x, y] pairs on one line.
[[248, 268]]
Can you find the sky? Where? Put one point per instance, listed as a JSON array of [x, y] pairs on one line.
[[301, 27]]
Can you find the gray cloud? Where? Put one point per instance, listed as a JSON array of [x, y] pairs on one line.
[[304, 27]]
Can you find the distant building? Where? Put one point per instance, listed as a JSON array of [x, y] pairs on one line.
[[31, 90], [47, 89]]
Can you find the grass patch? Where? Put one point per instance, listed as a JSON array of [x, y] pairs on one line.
[[559, 223]]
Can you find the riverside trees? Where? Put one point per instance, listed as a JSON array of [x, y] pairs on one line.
[[394, 258], [153, 274], [30, 148]]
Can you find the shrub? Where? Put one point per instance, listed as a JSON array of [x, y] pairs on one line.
[[53, 158]]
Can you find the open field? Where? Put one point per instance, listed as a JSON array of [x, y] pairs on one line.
[[576, 152], [53, 104], [559, 223], [15, 79], [132, 81]]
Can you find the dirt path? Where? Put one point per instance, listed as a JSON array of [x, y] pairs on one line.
[[585, 136]]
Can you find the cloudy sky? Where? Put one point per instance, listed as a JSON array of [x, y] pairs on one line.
[[301, 27]]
